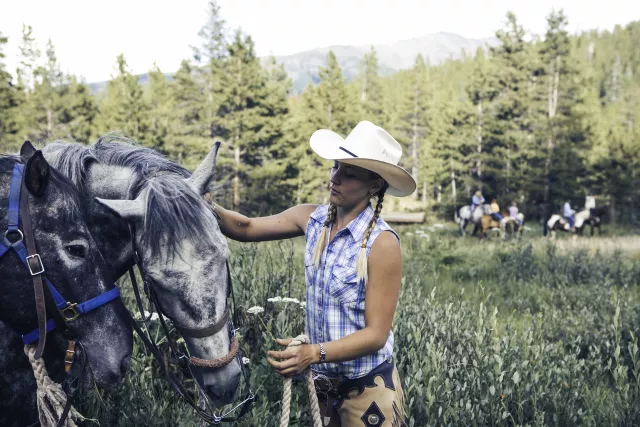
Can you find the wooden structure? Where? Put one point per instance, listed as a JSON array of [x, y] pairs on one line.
[[404, 217]]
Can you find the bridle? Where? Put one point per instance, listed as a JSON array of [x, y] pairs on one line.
[[22, 242], [186, 361]]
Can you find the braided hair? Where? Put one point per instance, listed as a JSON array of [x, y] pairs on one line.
[[361, 265]]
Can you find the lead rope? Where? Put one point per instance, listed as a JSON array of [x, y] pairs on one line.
[[311, 389], [50, 396]]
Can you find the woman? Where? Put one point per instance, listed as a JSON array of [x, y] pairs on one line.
[[353, 269], [495, 210]]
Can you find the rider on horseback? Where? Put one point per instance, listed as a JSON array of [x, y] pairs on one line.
[[495, 211], [513, 212], [476, 200], [569, 215]]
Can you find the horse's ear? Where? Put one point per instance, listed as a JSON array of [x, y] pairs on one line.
[[129, 210], [203, 174], [27, 149], [37, 174]]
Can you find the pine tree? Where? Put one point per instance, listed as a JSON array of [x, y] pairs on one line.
[[243, 113], [413, 123], [371, 93], [512, 143], [334, 97], [209, 57], [8, 105], [187, 138], [27, 66], [270, 189], [79, 111], [158, 98], [312, 172], [46, 99], [481, 91], [123, 108]]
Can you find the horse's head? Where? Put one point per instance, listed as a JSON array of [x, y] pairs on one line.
[[183, 252], [72, 264]]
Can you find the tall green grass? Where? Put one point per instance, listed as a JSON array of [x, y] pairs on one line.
[[527, 332]]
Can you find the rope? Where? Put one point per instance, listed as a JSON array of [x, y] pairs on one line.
[[50, 396], [311, 389], [219, 362]]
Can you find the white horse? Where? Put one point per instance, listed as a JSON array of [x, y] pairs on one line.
[[464, 217]]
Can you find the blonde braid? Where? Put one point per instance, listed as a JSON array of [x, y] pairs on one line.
[[321, 243], [361, 265]]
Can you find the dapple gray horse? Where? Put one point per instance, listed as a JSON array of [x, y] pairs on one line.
[[75, 267]]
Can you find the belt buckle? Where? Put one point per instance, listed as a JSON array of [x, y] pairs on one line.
[[39, 266]]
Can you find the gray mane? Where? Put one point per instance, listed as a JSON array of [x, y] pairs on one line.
[[113, 149], [174, 212]]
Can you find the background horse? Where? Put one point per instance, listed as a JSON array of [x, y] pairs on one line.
[[75, 267], [555, 223], [594, 220], [464, 217]]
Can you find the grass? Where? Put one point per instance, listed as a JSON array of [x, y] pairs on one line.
[[529, 332]]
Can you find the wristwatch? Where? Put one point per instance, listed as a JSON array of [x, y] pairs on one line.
[[323, 354]]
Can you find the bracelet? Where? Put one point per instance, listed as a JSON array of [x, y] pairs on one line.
[[323, 353]]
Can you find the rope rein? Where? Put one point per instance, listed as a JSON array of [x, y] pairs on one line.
[[311, 389], [50, 396]]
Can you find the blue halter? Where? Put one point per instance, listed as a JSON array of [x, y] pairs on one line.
[[69, 311]]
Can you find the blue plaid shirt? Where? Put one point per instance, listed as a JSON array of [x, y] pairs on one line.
[[335, 299]]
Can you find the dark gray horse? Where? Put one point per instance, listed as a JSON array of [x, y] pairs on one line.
[[75, 267], [176, 234]]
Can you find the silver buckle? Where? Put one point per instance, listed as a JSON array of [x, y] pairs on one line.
[[34, 256]]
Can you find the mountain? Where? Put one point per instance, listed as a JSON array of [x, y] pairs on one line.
[[303, 67]]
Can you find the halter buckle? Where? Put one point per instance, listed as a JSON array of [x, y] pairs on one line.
[[38, 266], [70, 313], [69, 356]]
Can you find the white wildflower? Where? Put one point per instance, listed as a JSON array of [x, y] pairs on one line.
[[294, 300], [256, 309], [245, 360], [303, 304], [275, 299], [438, 226]]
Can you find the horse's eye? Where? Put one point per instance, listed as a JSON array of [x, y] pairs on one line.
[[77, 250]]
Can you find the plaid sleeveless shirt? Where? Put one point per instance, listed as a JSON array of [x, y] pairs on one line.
[[335, 298]]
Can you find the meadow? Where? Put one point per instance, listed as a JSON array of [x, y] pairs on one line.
[[527, 332]]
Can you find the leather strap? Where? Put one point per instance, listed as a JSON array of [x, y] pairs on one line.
[[35, 266], [207, 331]]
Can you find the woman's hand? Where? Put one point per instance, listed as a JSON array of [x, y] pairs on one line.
[[293, 359]]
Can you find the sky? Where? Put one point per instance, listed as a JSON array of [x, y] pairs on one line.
[[89, 34]]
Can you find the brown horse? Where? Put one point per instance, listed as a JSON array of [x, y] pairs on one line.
[[487, 223]]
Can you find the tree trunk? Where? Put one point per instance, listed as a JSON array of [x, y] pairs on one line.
[[552, 108], [236, 178], [479, 139], [414, 142], [453, 183], [424, 192]]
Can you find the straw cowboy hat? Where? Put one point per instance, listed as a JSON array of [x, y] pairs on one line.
[[370, 147]]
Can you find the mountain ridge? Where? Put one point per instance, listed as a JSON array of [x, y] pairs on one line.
[[302, 67]]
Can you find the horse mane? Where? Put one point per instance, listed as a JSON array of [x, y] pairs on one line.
[[169, 197]]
